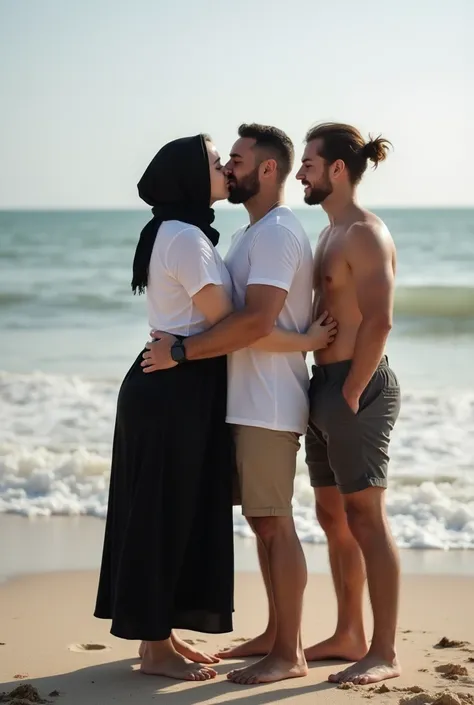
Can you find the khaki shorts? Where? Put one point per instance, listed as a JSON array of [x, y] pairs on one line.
[[266, 467]]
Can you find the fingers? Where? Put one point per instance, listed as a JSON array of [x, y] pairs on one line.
[[322, 318]]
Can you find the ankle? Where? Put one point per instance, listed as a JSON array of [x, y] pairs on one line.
[[350, 632], [270, 631], [383, 650], [289, 654], [158, 650]]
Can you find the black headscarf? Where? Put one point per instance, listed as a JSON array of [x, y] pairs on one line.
[[177, 185]]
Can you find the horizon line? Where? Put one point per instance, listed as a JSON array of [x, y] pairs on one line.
[[108, 209]]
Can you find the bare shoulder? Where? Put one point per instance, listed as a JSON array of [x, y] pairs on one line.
[[370, 233]]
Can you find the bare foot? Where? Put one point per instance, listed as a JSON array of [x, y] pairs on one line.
[[269, 669], [185, 650], [191, 653], [344, 648], [260, 646], [176, 666], [369, 670]]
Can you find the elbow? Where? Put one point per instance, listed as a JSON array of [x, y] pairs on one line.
[[382, 323], [260, 327]]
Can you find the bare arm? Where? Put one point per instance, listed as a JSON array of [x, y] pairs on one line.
[[238, 330], [370, 257], [242, 328], [213, 303], [318, 336]]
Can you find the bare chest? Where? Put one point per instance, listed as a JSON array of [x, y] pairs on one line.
[[330, 265]]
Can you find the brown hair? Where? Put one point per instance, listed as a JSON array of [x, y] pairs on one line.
[[274, 142], [345, 142]]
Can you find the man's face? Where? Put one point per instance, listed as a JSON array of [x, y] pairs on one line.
[[314, 175], [242, 171]]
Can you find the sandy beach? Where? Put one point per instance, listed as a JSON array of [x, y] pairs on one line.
[[46, 625]]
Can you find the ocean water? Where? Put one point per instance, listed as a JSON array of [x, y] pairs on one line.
[[70, 328]]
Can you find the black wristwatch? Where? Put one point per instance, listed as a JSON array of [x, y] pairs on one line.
[[178, 352]]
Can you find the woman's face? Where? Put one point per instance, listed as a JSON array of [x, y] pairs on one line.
[[219, 190]]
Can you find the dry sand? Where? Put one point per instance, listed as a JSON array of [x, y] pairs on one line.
[[46, 625]]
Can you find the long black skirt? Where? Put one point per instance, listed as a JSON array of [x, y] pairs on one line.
[[168, 548]]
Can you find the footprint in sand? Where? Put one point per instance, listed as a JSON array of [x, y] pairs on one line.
[[87, 648], [193, 642], [240, 640]]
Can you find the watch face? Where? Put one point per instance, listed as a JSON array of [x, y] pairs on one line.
[[177, 351]]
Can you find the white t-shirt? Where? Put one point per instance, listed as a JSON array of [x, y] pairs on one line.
[[183, 261], [270, 390]]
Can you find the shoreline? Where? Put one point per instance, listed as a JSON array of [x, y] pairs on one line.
[[46, 623], [68, 544]]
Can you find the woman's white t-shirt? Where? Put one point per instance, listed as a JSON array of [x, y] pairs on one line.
[[183, 262]]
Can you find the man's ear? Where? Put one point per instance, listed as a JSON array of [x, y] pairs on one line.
[[268, 168]]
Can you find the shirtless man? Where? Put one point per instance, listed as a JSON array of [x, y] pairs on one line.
[[355, 401]]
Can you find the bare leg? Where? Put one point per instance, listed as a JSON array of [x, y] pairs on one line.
[[288, 580], [262, 644], [348, 573], [368, 523], [160, 658]]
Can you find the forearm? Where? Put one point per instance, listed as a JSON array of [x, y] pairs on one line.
[[283, 341], [368, 351], [239, 330]]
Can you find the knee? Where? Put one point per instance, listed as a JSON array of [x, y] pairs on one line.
[[363, 521], [269, 528], [333, 523]]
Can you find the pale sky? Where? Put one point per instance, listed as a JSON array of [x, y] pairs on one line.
[[90, 89]]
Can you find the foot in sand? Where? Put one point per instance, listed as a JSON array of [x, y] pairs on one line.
[[190, 652], [185, 650], [369, 670], [344, 647], [268, 670], [260, 646], [176, 666]]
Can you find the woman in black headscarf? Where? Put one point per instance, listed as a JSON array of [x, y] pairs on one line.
[[168, 550]]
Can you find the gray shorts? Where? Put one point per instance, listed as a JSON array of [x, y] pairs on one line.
[[344, 449]]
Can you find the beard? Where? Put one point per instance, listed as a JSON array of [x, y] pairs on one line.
[[247, 187], [318, 193]]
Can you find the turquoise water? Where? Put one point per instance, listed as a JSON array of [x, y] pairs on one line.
[[70, 328]]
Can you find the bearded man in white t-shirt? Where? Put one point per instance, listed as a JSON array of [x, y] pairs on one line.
[[271, 265]]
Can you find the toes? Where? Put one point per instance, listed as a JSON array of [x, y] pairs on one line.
[[334, 677]]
